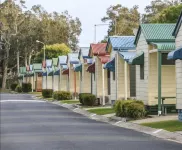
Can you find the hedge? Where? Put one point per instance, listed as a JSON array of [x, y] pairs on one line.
[[18, 89], [62, 95], [47, 93], [26, 87], [131, 109], [81, 95], [88, 99], [13, 86]]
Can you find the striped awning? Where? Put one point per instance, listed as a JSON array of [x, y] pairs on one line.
[[65, 72], [110, 65], [104, 59], [138, 59], [77, 67], [164, 46], [91, 68], [127, 55], [176, 54]]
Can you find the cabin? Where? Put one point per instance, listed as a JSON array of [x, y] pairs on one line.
[[177, 56], [37, 69], [56, 73], [74, 84], [49, 70], [122, 84], [64, 73], [155, 75], [99, 76], [30, 75], [22, 73], [85, 77]]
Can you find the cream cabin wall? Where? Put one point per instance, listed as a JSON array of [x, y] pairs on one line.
[[56, 83], [98, 78], [179, 72], [64, 82], [43, 82], [142, 85], [49, 82], [86, 79], [71, 79]]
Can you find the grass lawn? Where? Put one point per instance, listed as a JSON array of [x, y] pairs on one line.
[[71, 101], [102, 111], [171, 125], [36, 93], [4, 90]]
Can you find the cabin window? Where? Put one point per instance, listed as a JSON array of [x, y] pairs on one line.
[[113, 75], [142, 72], [165, 61]]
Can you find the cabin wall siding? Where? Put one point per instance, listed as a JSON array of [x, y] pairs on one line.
[[86, 80], [44, 82], [179, 72], [49, 82], [142, 85], [56, 83]]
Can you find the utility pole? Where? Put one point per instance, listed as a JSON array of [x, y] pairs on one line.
[[18, 59]]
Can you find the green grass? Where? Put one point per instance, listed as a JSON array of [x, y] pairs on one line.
[[36, 93], [70, 101], [102, 111], [171, 125], [4, 90]]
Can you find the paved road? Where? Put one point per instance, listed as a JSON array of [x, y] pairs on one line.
[[35, 125]]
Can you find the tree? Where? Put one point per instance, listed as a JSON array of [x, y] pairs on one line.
[[168, 15], [122, 19], [155, 8], [52, 51]]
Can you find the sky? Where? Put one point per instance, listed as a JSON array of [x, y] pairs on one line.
[[89, 12]]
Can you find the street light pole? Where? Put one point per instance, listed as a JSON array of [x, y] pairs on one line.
[[44, 47]]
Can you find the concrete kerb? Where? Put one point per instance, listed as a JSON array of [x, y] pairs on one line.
[[122, 122]]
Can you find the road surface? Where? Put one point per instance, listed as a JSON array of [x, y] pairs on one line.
[[27, 124]]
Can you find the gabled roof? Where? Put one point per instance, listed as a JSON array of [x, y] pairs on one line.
[[156, 32], [84, 52], [178, 25], [55, 61], [62, 60], [48, 62], [73, 58], [121, 42], [98, 49]]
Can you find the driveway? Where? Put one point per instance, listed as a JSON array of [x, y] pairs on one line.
[[28, 124]]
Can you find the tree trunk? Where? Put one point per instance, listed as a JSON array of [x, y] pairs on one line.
[[5, 69], [18, 62], [29, 59], [25, 58]]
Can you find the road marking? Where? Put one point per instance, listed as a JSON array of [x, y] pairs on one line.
[[118, 122], [29, 101], [157, 131]]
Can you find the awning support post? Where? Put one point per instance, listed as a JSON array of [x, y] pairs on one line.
[[103, 86], [159, 83]]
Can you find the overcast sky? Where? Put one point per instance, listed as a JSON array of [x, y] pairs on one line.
[[89, 12]]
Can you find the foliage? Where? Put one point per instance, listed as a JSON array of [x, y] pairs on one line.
[[26, 87], [52, 51], [18, 89], [13, 86], [89, 99], [131, 108], [155, 8], [62, 95], [168, 15], [81, 95], [102, 111], [122, 19], [47, 93]]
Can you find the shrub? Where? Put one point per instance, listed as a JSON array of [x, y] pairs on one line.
[[13, 86], [131, 108], [26, 87], [47, 93], [62, 95], [18, 89], [89, 99], [81, 95]]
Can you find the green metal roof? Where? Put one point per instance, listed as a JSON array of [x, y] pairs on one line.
[[22, 70], [156, 32], [55, 61], [138, 59], [165, 46], [37, 66], [178, 25]]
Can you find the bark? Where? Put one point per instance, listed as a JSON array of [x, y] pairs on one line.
[[29, 58], [25, 58]]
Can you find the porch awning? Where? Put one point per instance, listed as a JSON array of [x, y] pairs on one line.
[[91, 68], [176, 54], [65, 72], [164, 46], [110, 65], [44, 74], [64, 67], [78, 68], [138, 59], [104, 59], [127, 55]]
